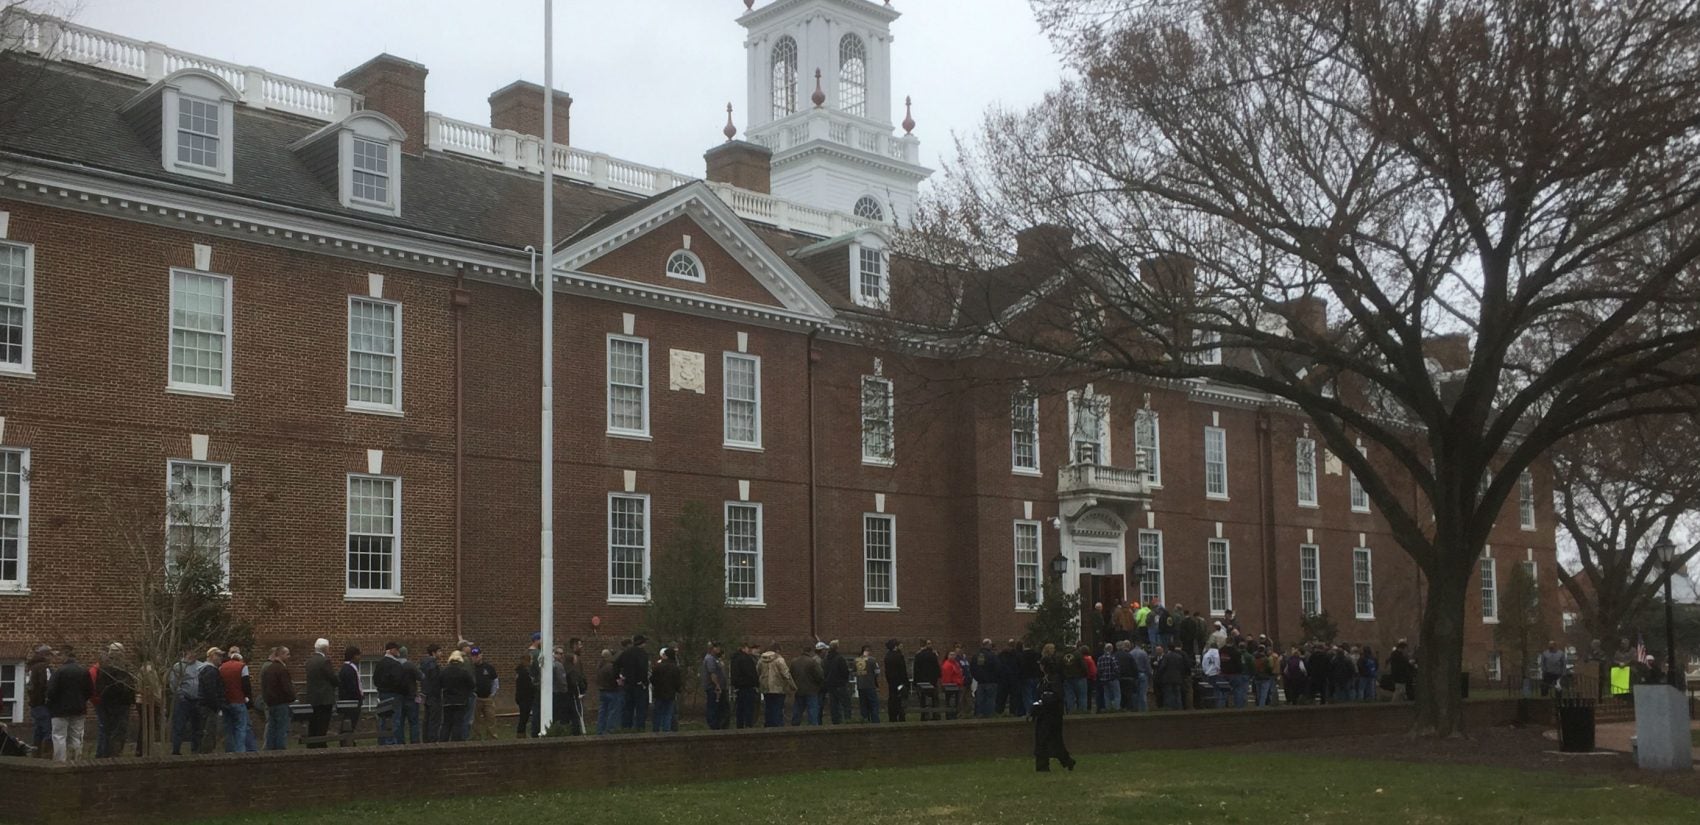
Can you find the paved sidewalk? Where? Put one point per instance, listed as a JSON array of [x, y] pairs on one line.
[[1615, 736]]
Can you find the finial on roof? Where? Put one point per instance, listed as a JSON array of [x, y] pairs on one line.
[[819, 97], [750, 5], [730, 131], [908, 115]]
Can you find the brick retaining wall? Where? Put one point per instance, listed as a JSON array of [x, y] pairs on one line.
[[159, 789]]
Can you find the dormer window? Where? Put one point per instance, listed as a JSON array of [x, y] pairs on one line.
[[686, 267], [361, 156], [191, 113], [871, 287]]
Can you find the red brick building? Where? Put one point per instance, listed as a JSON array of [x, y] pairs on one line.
[[318, 299]]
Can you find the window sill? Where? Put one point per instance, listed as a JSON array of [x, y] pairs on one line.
[[14, 591], [1023, 471], [203, 172], [198, 392], [629, 435], [1363, 618], [1022, 608], [14, 372], [882, 608], [1486, 620], [878, 462], [746, 604], [637, 600], [384, 411], [1154, 485], [1363, 511], [1208, 497], [1530, 528], [392, 598], [1312, 506], [742, 448], [372, 206]]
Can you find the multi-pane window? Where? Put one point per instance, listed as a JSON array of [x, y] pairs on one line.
[[197, 512], [368, 688], [1363, 587], [628, 548], [1221, 586], [628, 386], [1360, 498], [1310, 579], [12, 693], [742, 391], [783, 75], [374, 354], [685, 266], [200, 331], [853, 75], [1215, 462], [1151, 581], [879, 561], [1089, 424], [868, 208], [1490, 591], [1148, 445], [197, 132], [374, 535], [14, 519], [1028, 552], [1024, 432], [1306, 454], [17, 279], [743, 553], [1526, 500], [871, 285], [1495, 666], [877, 411], [1207, 347], [371, 171]]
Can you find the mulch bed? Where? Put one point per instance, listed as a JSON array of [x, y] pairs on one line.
[[1522, 748]]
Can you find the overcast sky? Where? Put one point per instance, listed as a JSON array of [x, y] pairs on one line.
[[650, 79]]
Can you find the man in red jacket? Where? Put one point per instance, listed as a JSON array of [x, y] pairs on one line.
[[238, 690]]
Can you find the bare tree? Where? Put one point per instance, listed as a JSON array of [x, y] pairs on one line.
[[1383, 213], [30, 101], [1620, 490]]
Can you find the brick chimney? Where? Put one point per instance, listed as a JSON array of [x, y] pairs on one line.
[[396, 88], [1173, 275], [1309, 313], [1451, 352], [743, 164], [1045, 240], [518, 107]]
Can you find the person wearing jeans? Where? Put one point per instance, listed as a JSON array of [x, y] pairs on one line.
[[608, 695]]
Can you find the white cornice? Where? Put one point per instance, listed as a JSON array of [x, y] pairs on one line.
[[825, 147], [886, 15]]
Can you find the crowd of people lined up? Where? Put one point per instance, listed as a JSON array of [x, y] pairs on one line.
[[1141, 657]]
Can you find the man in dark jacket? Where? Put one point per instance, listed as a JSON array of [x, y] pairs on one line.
[[1009, 681], [431, 684], [1127, 672], [349, 696], [387, 680], [633, 667], [40, 672], [458, 684], [1031, 670], [988, 676], [896, 680], [212, 700], [810, 679], [407, 715], [926, 676], [115, 686], [1319, 665], [667, 680], [525, 694], [486, 685], [68, 695], [277, 689], [1403, 669], [837, 688], [745, 686], [1172, 673], [321, 691]]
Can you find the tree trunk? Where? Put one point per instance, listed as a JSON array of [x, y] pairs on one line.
[[1440, 655]]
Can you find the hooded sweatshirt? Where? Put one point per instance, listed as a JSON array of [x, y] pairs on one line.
[[774, 674]]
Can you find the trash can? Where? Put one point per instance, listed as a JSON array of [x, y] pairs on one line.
[[1576, 724]]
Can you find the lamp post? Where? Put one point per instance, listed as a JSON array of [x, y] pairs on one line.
[[1059, 567], [1666, 550], [1136, 572]]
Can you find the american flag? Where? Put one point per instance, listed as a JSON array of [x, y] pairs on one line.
[[1640, 648]]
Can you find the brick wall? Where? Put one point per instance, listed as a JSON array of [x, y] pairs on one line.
[[159, 789]]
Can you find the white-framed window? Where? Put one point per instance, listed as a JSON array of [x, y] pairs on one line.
[[1029, 550], [628, 547], [873, 288], [1490, 591], [1148, 445], [1360, 497], [628, 386], [1215, 462], [374, 536], [1526, 500], [868, 208], [1305, 452], [200, 332], [1151, 581], [196, 110], [1221, 573], [1089, 427], [371, 171], [197, 511], [198, 132], [1363, 584], [877, 424], [17, 307], [853, 75], [686, 266], [1310, 579], [12, 677], [1495, 666], [741, 396], [879, 560], [1207, 347], [1024, 432], [782, 74], [368, 689], [374, 354], [743, 553], [14, 520]]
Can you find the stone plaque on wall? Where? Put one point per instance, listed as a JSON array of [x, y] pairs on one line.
[[686, 372]]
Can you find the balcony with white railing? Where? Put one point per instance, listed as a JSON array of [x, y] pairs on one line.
[[60, 40], [837, 127], [1087, 484]]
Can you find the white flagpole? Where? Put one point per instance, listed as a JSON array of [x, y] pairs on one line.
[[546, 673]]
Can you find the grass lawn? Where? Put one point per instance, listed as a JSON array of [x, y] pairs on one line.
[[1174, 786]]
